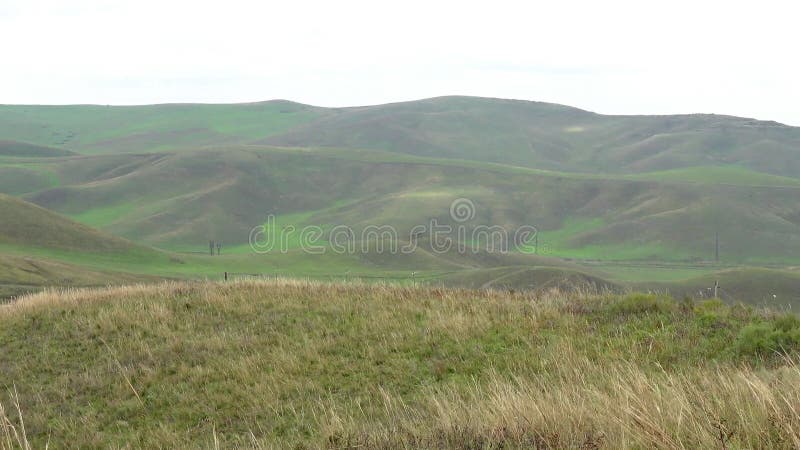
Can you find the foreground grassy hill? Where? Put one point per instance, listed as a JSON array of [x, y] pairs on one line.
[[292, 364]]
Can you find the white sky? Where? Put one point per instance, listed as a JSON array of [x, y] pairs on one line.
[[609, 56]]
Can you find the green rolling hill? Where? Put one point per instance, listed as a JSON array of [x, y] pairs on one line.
[[115, 129], [530, 134], [41, 248], [600, 189], [22, 149], [30, 226], [549, 136], [180, 201]]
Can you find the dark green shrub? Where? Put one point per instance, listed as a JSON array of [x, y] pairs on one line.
[[779, 336]]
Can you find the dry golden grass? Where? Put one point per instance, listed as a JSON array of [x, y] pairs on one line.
[[590, 406], [292, 363]]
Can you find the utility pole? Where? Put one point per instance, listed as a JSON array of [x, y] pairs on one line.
[[716, 289], [536, 243], [716, 246]]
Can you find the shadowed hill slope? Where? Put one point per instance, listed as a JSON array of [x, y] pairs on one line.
[[25, 224], [184, 200], [22, 149], [40, 248]]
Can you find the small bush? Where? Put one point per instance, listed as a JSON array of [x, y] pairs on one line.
[[642, 304], [780, 336]]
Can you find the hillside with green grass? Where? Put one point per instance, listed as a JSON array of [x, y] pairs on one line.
[[549, 136], [21, 274], [180, 201], [618, 201], [116, 129], [27, 225], [40, 248], [292, 364], [22, 149], [522, 133]]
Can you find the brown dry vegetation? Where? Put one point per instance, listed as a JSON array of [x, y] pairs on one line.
[[287, 363]]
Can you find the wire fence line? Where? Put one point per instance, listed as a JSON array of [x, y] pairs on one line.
[[412, 276]]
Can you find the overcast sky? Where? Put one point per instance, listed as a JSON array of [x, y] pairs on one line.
[[610, 56]]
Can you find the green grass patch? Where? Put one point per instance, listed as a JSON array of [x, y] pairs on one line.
[[294, 364], [733, 175], [103, 217]]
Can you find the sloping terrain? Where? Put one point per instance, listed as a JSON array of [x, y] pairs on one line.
[[40, 248], [181, 201], [24, 274], [28, 225], [297, 364], [22, 149], [115, 129], [530, 134], [597, 188], [549, 136]]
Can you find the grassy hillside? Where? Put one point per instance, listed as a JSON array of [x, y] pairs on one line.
[[181, 201], [25, 224], [25, 274], [40, 248], [114, 129], [287, 364], [600, 189], [543, 135], [22, 149], [530, 134]]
